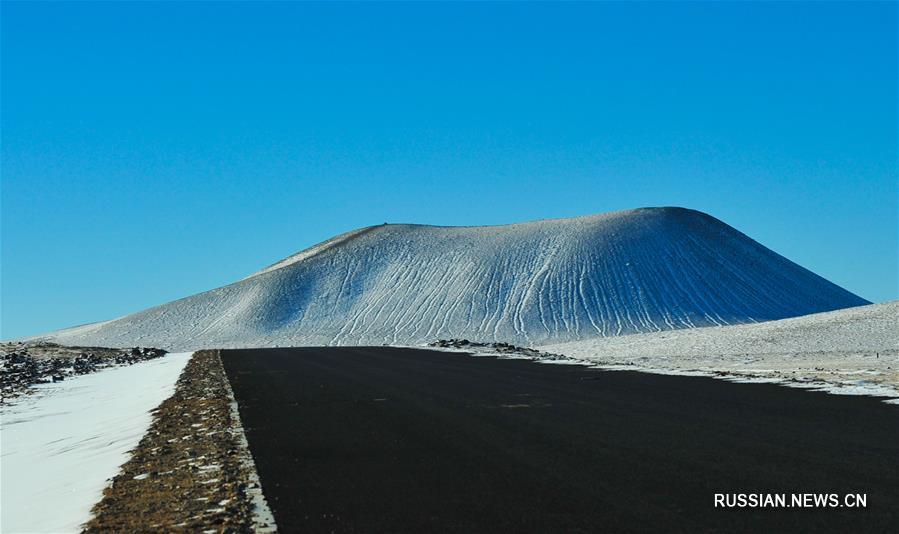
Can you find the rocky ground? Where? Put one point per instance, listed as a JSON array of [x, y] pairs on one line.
[[192, 470], [505, 350], [25, 364], [499, 348]]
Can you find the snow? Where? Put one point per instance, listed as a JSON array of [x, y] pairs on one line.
[[313, 250], [61, 444], [851, 351], [644, 270]]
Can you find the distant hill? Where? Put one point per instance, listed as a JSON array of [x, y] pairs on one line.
[[540, 282]]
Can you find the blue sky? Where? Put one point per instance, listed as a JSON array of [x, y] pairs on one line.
[[154, 150]]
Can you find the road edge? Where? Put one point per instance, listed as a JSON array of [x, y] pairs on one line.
[[263, 519]]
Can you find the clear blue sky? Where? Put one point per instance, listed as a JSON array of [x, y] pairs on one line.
[[154, 150]]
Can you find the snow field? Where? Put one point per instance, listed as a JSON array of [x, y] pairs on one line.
[[61, 444]]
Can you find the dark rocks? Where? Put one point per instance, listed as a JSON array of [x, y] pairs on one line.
[[22, 366], [86, 363], [497, 347]]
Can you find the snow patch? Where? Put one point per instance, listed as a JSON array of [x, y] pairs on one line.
[[846, 352], [62, 444]]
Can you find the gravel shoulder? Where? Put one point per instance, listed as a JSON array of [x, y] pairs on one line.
[[192, 469]]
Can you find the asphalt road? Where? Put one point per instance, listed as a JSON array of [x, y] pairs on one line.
[[402, 440]]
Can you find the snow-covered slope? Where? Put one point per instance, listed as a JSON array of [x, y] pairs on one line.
[[865, 329], [852, 350], [626, 272]]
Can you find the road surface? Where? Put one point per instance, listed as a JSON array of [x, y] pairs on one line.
[[403, 440]]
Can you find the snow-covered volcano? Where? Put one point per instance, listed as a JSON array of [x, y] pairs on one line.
[[533, 283]]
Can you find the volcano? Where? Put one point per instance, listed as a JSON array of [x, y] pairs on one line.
[[541, 282]]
